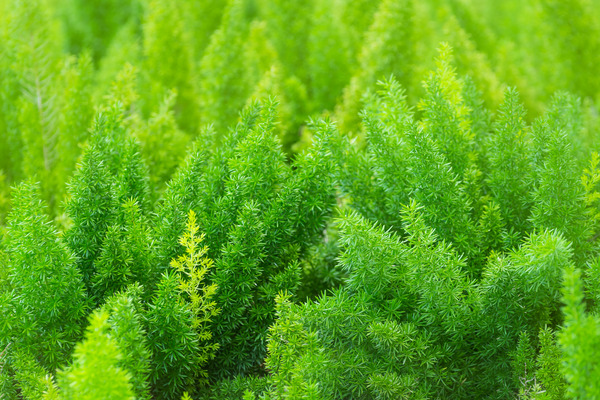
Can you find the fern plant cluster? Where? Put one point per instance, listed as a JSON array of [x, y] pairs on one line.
[[326, 199]]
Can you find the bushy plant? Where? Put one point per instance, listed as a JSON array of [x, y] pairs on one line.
[[43, 297], [265, 199], [178, 320], [95, 372]]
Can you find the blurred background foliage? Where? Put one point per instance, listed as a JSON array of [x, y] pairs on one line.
[[181, 65]]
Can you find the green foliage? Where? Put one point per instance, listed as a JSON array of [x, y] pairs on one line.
[[558, 195], [108, 204], [126, 328], [359, 362], [31, 379], [173, 342], [77, 112], [202, 19], [90, 207], [549, 366], [509, 152], [239, 387], [590, 180], [522, 360], [96, 372], [289, 24], [387, 49], [320, 269], [93, 24], [579, 341], [4, 198], [181, 193], [471, 57], [237, 273], [178, 320], [573, 23], [168, 63], [36, 66], [193, 267], [446, 115], [591, 279], [418, 316], [408, 160], [208, 144], [259, 215], [43, 298], [528, 278], [329, 57], [126, 254], [222, 93], [163, 143]]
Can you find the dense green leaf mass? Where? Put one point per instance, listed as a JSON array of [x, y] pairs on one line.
[[319, 199]]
